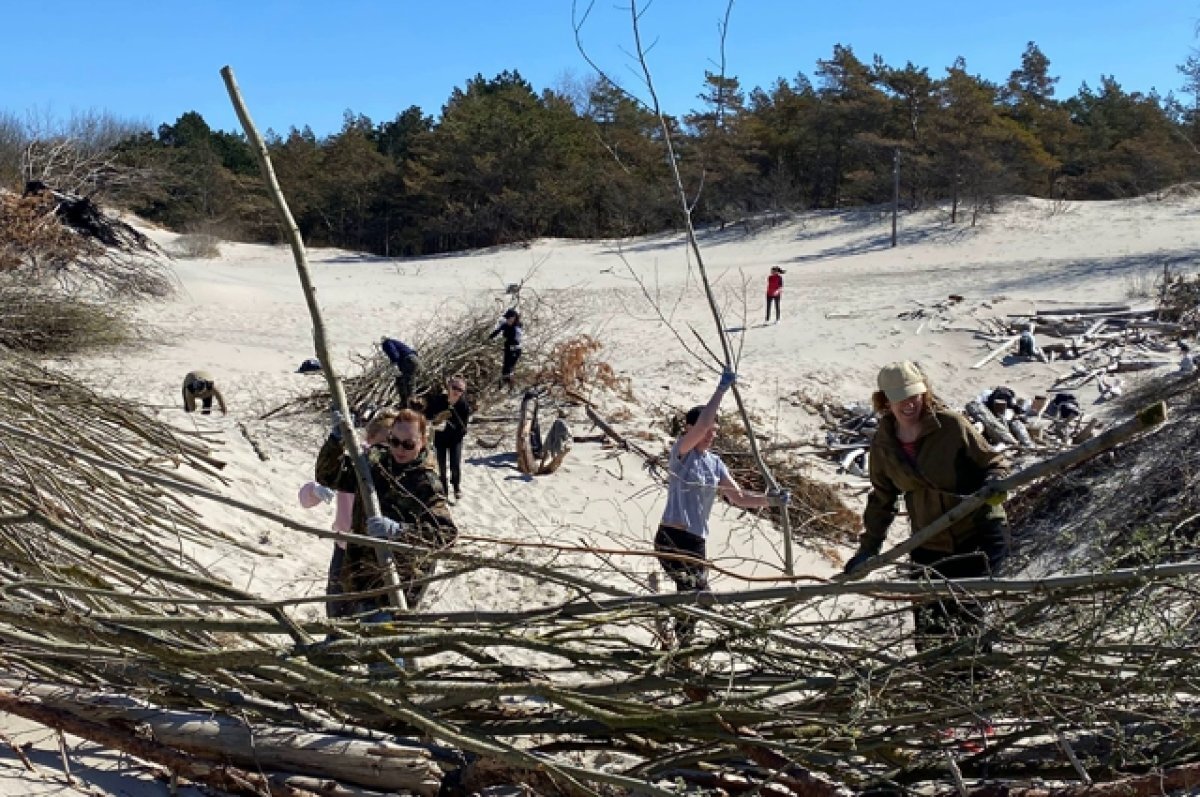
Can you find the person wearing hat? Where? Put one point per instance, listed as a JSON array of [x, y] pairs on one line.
[[512, 330], [932, 457], [774, 292], [696, 476]]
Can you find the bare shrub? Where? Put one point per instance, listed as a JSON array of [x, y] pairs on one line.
[[40, 322], [572, 364], [1141, 285], [198, 245]]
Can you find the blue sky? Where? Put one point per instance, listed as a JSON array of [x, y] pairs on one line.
[[306, 62]]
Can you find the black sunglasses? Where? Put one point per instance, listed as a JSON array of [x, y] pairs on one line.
[[407, 445]]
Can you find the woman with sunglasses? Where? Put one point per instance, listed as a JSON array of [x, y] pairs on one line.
[[413, 506], [451, 413]]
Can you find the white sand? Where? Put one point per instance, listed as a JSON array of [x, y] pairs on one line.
[[242, 317]]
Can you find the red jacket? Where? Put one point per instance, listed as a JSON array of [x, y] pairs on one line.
[[774, 285]]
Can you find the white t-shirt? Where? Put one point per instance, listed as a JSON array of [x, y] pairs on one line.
[[692, 487]]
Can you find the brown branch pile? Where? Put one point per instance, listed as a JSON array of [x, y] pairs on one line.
[[66, 241], [793, 689], [66, 270], [457, 345]]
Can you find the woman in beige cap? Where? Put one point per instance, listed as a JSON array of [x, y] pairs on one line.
[[932, 457]]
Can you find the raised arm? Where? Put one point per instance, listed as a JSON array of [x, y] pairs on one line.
[[708, 416]]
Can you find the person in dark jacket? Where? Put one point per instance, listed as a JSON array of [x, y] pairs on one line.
[[404, 357], [512, 330], [932, 457], [199, 386], [413, 507], [449, 413]]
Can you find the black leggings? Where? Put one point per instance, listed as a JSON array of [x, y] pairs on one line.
[[945, 619], [449, 449], [773, 300], [689, 575], [511, 355]]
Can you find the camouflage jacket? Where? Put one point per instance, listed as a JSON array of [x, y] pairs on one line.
[[410, 493]]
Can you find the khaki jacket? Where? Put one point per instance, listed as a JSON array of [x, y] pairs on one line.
[[953, 460]]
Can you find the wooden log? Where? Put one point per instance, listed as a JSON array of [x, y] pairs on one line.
[[226, 778], [370, 763], [1124, 366], [1020, 433], [526, 461], [350, 442], [1104, 309], [848, 460], [1094, 328], [556, 447], [993, 428], [1148, 418], [1003, 347]]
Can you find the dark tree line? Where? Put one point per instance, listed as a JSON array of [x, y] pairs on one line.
[[504, 163]]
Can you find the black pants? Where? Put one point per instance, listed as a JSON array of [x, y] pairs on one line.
[[511, 355], [333, 586], [206, 405], [449, 452], [773, 300], [689, 575], [406, 378], [946, 619]]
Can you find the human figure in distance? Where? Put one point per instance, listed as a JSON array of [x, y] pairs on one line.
[[449, 413], [774, 292], [404, 358], [513, 331], [198, 386]]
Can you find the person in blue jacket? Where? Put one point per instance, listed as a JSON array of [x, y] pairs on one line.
[[404, 357]]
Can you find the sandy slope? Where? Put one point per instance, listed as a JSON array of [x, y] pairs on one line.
[[242, 316]]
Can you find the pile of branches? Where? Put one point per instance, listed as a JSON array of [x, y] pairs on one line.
[[796, 689], [457, 345], [1179, 301], [67, 272]]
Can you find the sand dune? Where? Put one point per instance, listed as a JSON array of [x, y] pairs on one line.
[[242, 317]]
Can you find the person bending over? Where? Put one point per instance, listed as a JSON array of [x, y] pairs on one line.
[[198, 386]]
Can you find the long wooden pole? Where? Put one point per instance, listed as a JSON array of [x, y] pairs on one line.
[[366, 488], [1148, 418], [694, 244]]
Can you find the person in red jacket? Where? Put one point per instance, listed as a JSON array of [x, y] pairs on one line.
[[774, 291]]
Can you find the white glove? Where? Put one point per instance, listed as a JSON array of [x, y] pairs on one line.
[[324, 493], [384, 528]]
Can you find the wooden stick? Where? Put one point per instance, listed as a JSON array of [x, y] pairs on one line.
[[350, 442], [1146, 419], [1003, 347]]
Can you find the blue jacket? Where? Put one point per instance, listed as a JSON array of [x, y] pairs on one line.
[[397, 351]]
